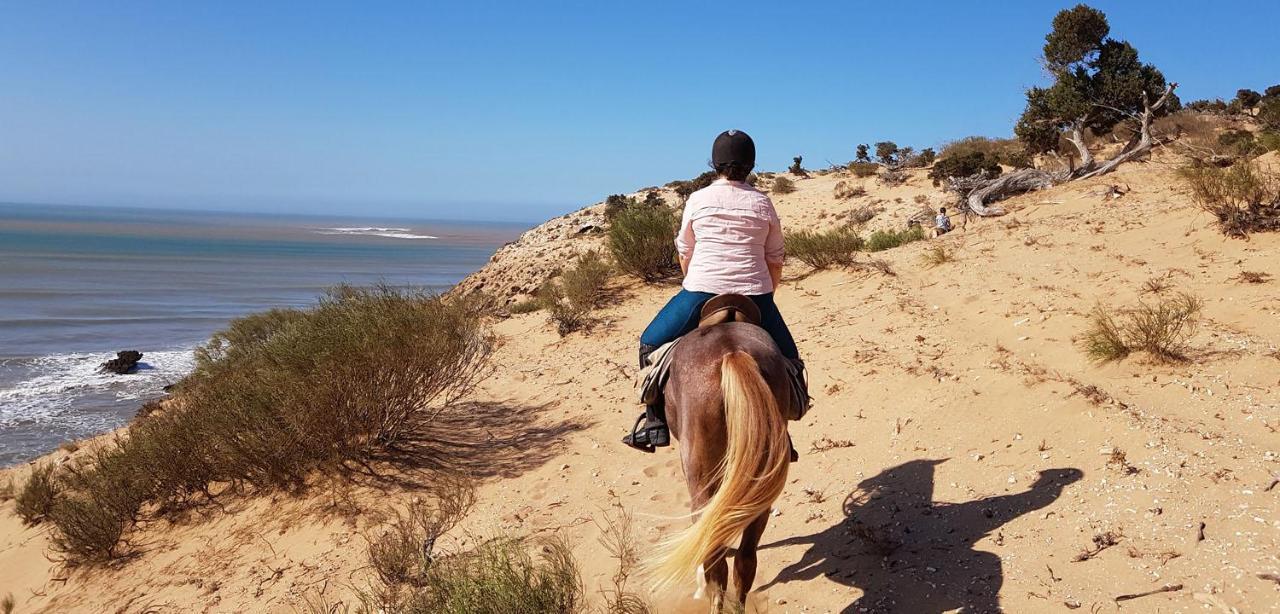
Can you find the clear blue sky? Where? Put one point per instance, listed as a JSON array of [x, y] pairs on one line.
[[521, 111]]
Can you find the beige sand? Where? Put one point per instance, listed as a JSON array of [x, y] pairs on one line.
[[942, 396]]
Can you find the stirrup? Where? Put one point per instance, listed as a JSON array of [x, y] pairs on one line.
[[647, 438]]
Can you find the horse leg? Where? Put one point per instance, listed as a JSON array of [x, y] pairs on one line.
[[717, 577], [744, 562]]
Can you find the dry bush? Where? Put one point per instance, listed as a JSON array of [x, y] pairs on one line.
[[1189, 127], [1253, 277], [243, 334], [938, 256], [7, 490], [823, 249], [861, 215], [403, 553], [617, 535], [36, 497], [1243, 198], [1161, 329], [584, 284], [528, 306], [1156, 285], [845, 190], [864, 169], [887, 239], [893, 176], [782, 185], [581, 289], [1104, 341], [642, 242]]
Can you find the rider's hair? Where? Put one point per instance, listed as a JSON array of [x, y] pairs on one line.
[[733, 171], [942, 209]]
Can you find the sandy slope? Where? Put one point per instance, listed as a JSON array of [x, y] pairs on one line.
[[970, 463]]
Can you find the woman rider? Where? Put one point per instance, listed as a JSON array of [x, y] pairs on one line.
[[730, 241]]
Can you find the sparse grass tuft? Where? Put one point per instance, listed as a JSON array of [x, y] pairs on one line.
[[823, 249], [37, 496], [1103, 341], [1243, 198], [498, 577], [642, 242], [1161, 329], [1156, 285], [887, 239], [938, 256], [618, 537]]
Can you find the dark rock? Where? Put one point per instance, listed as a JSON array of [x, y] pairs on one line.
[[124, 362]]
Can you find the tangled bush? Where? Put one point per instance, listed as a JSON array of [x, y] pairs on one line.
[[822, 250], [36, 497], [782, 185], [580, 290], [685, 188], [964, 165], [1243, 198], [845, 190], [1161, 330]]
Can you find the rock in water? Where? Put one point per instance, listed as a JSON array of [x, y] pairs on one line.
[[123, 363]]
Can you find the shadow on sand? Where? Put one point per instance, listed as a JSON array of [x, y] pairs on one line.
[[476, 440], [908, 553]]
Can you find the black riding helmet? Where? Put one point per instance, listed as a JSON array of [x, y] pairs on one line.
[[733, 147]]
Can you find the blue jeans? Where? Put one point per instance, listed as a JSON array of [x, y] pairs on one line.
[[680, 316]]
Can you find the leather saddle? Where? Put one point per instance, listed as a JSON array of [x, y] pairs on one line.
[[729, 308]]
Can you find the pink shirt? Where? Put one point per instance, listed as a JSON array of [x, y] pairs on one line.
[[732, 233]]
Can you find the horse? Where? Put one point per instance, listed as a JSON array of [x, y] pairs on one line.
[[726, 402]]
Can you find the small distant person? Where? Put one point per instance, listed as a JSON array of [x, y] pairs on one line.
[[942, 223]]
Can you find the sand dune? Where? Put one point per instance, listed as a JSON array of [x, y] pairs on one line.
[[962, 451]]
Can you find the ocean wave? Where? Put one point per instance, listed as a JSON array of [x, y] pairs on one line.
[[370, 231], [51, 385]]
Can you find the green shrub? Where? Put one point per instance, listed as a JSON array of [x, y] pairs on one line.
[[1269, 113], [37, 495], [1238, 142], [886, 152], [796, 168], [964, 165], [684, 189], [1269, 141], [642, 242], [782, 185], [881, 240], [1208, 106], [1161, 329], [864, 169], [822, 250], [615, 203], [863, 155], [365, 371], [403, 552], [1243, 198], [244, 334]]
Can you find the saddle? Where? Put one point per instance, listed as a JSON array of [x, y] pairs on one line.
[[721, 309]]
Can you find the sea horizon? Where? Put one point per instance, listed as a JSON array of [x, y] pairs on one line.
[[79, 283]]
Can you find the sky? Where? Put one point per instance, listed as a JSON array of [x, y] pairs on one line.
[[521, 111]]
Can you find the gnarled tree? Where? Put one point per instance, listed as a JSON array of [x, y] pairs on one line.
[[1099, 82]]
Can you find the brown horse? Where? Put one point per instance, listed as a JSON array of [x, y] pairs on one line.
[[725, 401]]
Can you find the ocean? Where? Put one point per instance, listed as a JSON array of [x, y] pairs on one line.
[[78, 284]]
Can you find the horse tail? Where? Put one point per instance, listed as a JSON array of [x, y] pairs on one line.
[[751, 475]]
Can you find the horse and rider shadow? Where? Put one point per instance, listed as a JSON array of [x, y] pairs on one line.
[[908, 553]]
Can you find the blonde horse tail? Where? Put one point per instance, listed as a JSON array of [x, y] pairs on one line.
[[751, 476]]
